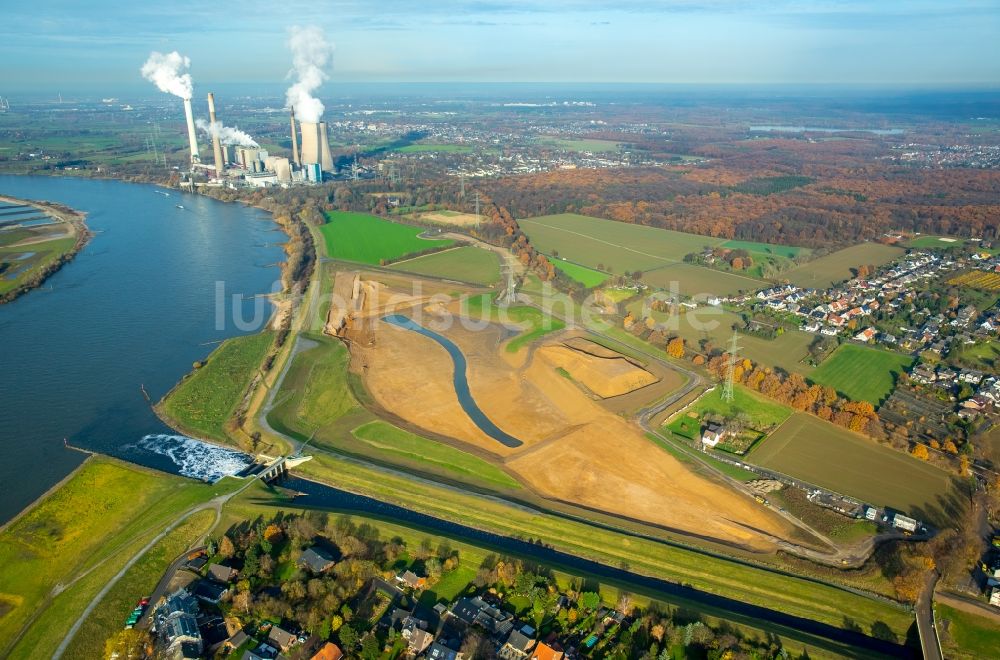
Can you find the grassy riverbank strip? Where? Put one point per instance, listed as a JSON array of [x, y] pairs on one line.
[[203, 402], [55, 554]]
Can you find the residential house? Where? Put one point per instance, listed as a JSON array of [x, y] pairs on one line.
[[713, 435], [235, 641], [412, 580], [328, 651], [867, 335], [316, 560], [210, 591], [995, 597], [440, 651], [177, 626], [518, 644], [545, 652], [222, 573], [417, 640], [281, 639]]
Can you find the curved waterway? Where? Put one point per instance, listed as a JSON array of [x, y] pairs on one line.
[[135, 308], [459, 378], [316, 495]]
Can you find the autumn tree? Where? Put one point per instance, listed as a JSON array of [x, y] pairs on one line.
[[920, 451], [675, 347]]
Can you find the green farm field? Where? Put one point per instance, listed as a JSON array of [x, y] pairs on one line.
[[818, 452], [935, 242], [787, 251], [694, 280], [862, 373], [204, 400], [588, 277], [836, 267], [467, 264], [371, 240], [618, 246]]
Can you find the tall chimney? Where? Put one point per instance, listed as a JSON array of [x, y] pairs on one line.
[[220, 168], [325, 158], [310, 142], [192, 137], [295, 141]]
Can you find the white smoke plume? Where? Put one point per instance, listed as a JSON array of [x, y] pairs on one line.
[[311, 57], [164, 71], [227, 134]]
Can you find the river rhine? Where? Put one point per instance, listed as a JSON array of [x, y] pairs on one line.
[[135, 308]]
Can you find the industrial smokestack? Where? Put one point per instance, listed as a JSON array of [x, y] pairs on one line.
[[310, 142], [325, 158], [295, 141], [192, 137], [216, 143]]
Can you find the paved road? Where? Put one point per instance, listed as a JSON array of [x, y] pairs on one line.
[[929, 642], [214, 504]]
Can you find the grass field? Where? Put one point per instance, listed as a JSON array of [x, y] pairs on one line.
[[618, 246], [787, 251], [538, 324], [836, 267], [588, 277], [691, 280], [139, 581], [390, 440], [984, 356], [440, 148], [935, 242], [89, 526], [467, 264], [862, 373], [966, 636], [204, 400], [368, 239], [808, 448], [762, 413]]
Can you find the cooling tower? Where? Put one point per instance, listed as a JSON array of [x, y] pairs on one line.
[[192, 137], [220, 168], [295, 141], [325, 159], [310, 142]]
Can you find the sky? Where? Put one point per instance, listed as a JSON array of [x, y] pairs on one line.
[[102, 43]]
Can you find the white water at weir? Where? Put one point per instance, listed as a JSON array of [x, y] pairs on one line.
[[196, 459]]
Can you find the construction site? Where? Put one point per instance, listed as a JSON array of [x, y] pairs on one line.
[[554, 396]]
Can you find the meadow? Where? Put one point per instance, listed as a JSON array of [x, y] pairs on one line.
[[617, 246], [79, 536], [588, 277], [966, 636], [786, 251], [583, 144], [862, 373], [25, 261], [203, 401], [368, 239], [836, 267], [466, 264], [935, 242], [818, 452], [690, 280]]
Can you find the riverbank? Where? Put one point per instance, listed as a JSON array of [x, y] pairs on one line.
[[36, 252]]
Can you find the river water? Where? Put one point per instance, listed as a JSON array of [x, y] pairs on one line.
[[135, 308]]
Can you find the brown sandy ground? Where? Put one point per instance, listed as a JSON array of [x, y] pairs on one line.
[[574, 449], [605, 376]]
